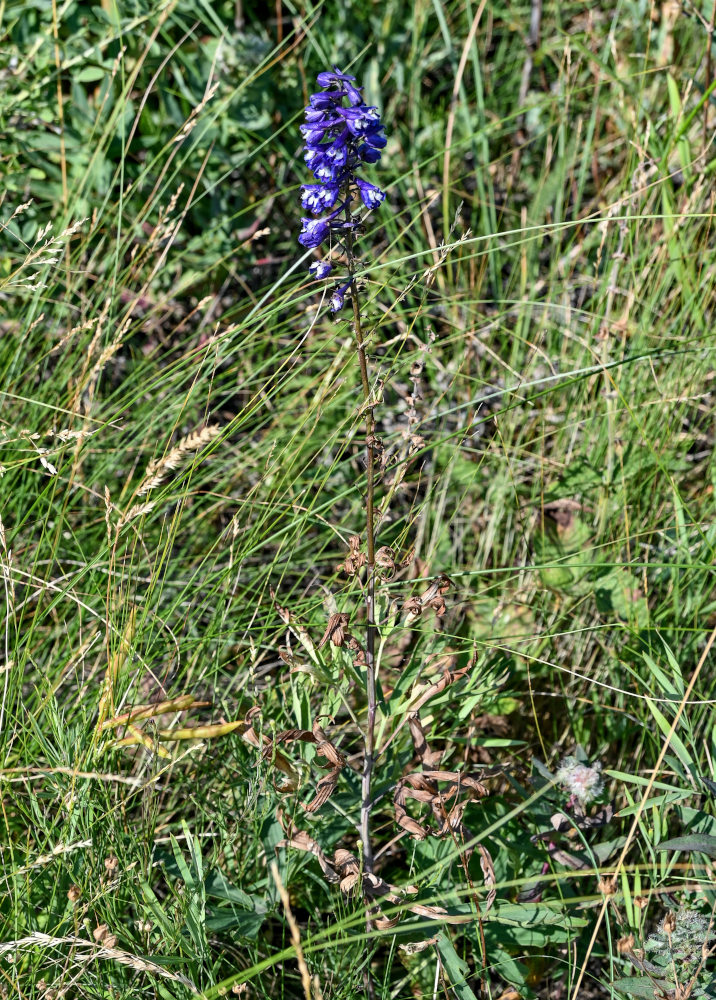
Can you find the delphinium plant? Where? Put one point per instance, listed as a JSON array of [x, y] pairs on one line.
[[342, 135]]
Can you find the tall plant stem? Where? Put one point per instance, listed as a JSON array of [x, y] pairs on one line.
[[369, 736]]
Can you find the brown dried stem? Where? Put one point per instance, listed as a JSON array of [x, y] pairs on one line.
[[369, 736]]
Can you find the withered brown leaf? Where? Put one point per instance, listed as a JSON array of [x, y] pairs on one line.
[[335, 630]]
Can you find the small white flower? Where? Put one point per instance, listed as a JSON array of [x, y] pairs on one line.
[[584, 783]]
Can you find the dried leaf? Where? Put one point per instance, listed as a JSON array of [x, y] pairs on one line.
[[346, 862], [326, 749], [355, 647], [291, 736], [431, 597], [335, 630], [349, 882], [439, 685], [355, 559], [414, 947], [324, 790], [428, 758], [385, 560], [413, 605], [422, 786], [488, 874], [301, 841], [401, 815]]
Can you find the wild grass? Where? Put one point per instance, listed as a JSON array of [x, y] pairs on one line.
[[182, 471]]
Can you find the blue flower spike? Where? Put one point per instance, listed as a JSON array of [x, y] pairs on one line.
[[341, 134]]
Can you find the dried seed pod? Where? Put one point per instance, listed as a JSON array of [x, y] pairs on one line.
[[335, 630], [385, 560], [355, 647], [355, 559]]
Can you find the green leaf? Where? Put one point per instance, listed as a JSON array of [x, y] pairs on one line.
[[700, 842], [244, 924], [90, 74], [456, 970], [534, 914], [665, 726], [637, 986], [217, 885]]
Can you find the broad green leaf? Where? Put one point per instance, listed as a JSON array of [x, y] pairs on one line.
[[456, 970], [637, 986], [700, 842]]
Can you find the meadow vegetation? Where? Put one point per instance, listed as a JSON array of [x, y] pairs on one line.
[[182, 463]]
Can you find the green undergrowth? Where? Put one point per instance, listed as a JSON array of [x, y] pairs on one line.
[[182, 471]]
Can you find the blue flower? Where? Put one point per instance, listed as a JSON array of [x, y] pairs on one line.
[[320, 269], [371, 196], [328, 78], [353, 94], [337, 153], [340, 133], [368, 154], [338, 299], [361, 119], [314, 232], [313, 157], [314, 115], [318, 197], [375, 137], [326, 172]]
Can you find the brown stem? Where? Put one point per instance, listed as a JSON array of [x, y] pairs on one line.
[[369, 736]]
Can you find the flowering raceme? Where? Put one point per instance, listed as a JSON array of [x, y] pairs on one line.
[[338, 139]]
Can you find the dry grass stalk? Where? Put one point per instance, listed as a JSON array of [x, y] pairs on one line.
[[88, 325], [138, 510], [295, 933], [59, 850], [117, 659], [157, 471], [192, 121], [88, 951]]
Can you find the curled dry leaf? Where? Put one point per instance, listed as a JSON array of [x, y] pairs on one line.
[[324, 748], [355, 647], [301, 841], [324, 790], [414, 947], [355, 559], [425, 787], [433, 597], [448, 677], [428, 758], [385, 560], [488, 874], [335, 630], [345, 870]]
